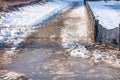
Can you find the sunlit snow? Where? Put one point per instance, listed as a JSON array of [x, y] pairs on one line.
[[32, 14], [108, 13]]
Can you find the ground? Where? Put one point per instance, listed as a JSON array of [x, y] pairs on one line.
[[56, 51], [42, 56]]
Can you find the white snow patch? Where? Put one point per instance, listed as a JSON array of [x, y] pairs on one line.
[[108, 13], [78, 12], [75, 28], [15, 76], [32, 14]]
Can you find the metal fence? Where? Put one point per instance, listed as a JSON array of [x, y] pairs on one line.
[[108, 37], [101, 35]]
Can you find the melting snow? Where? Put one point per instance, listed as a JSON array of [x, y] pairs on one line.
[[75, 28], [15, 24]]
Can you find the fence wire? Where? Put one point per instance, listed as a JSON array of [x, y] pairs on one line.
[[109, 37]]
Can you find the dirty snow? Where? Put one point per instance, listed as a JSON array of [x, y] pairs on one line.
[[14, 24], [14, 76], [75, 29], [108, 13], [95, 56]]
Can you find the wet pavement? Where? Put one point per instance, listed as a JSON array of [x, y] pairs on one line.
[[43, 58]]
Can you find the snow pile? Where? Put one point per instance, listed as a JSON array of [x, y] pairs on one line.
[[108, 13], [14, 76], [32, 14], [12, 35], [106, 57], [95, 56]]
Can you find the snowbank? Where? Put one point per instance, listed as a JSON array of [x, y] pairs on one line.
[[108, 13], [17, 23], [14, 24], [33, 14]]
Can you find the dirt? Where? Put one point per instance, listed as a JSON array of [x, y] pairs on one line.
[[6, 4], [103, 48]]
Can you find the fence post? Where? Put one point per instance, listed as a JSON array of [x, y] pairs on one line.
[[85, 2], [96, 30], [119, 38]]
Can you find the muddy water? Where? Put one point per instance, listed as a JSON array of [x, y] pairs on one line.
[[43, 58]]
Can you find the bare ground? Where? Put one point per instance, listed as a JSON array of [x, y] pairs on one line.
[[6, 4]]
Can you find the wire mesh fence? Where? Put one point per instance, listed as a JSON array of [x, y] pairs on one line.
[[108, 37]]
